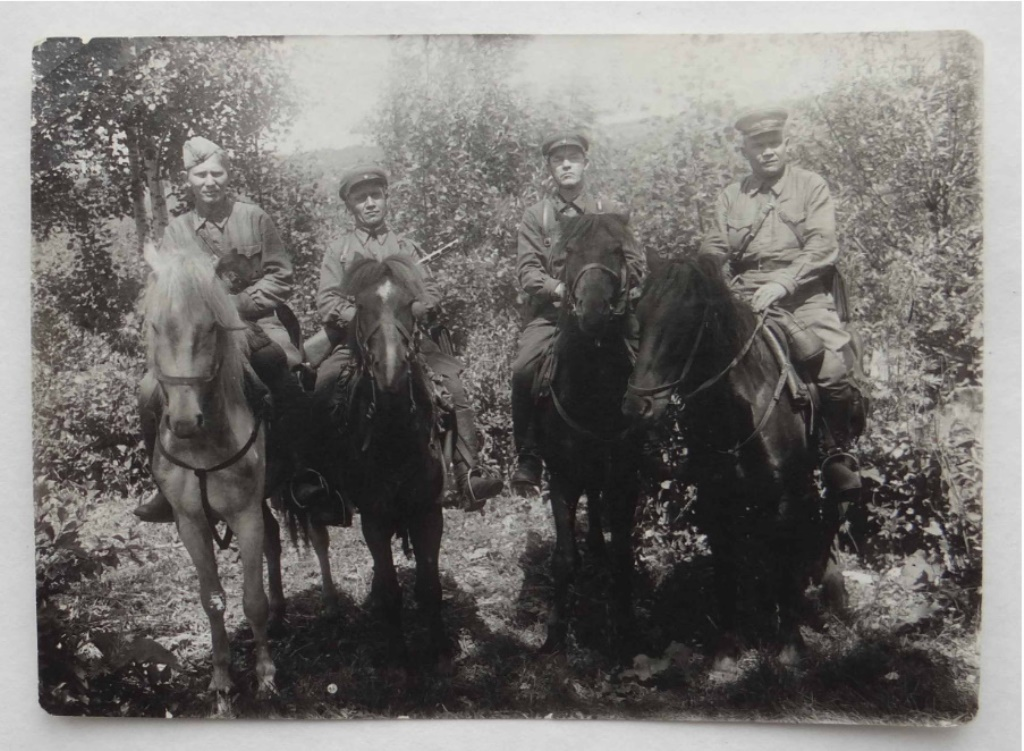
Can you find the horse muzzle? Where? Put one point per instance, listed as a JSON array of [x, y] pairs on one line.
[[643, 407]]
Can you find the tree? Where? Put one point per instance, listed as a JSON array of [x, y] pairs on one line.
[[109, 117]]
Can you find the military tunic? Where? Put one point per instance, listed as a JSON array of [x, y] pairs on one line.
[[337, 309], [248, 256], [794, 247], [540, 269]]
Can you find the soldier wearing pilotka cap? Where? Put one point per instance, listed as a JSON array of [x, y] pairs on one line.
[[539, 273], [249, 257], [776, 231]]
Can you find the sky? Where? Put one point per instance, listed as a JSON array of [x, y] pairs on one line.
[[628, 77]]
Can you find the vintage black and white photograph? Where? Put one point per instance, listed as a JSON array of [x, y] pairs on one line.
[[500, 376]]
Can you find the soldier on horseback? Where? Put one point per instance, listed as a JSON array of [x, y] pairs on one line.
[[539, 273], [364, 189], [776, 232], [241, 241]]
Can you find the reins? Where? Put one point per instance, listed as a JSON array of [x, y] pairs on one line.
[[607, 440], [662, 388], [202, 472]]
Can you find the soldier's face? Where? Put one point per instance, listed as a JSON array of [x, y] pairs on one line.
[[368, 203], [567, 165], [209, 181], [766, 153]]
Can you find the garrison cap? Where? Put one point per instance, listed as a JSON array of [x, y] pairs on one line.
[[565, 139], [197, 150], [763, 120], [361, 173]]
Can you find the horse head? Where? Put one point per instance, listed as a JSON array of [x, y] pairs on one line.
[[596, 275], [194, 337], [384, 326], [672, 314]]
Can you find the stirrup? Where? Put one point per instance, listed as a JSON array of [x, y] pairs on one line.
[[470, 500], [315, 478], [840, 473]]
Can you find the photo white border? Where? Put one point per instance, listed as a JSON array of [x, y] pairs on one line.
[[998, 726]]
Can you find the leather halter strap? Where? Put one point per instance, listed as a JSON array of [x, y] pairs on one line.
[[202, 472], [168, 380], [689, 361]]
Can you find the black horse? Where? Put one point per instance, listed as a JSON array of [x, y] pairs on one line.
[[750, 452], [388, 461], [585, 440]]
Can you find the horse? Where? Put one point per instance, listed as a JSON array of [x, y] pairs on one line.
[[585, 439], [750, 448], [387, 459], [210, 455]]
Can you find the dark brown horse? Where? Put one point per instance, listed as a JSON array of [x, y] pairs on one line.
[[388, 463], [585, 440], [750, 453]]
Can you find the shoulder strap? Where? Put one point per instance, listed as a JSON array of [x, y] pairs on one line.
[[547, 221]]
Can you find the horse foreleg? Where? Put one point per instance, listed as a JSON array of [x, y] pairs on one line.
[[385, 590], [272, 551], [595, 524], [723, 559], [564, 500], [195, 536], [794, 528], [621, 500], [321, 539], [425, 532], [249, 528]]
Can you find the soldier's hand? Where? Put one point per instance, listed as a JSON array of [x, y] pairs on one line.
[[560, 291], [769, 294], [419, 310]]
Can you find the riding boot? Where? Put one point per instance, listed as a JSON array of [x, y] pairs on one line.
[[476, 484], [155, 509], [843, 416], [527, 477], [307, 488]]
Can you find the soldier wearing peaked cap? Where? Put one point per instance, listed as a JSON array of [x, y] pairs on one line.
[[364, 189], [539, 273], [776, 231], [246, 250]]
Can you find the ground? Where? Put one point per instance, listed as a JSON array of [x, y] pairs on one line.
[[886, 662]]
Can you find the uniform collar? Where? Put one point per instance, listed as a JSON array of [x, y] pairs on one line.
[[365, 235], [776, 189], [579, 201], [218, 216]]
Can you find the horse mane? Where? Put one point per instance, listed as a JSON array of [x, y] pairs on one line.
[[586, 226], [731, 321], [182, 283], [364, 273]]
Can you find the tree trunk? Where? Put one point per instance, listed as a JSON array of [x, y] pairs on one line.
[[138, 189], [156, 189]]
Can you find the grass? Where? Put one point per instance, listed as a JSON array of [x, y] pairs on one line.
[[497, 591]]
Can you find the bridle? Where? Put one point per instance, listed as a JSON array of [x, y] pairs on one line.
[[202, 473], [617, 310], [619, 276], [648, 393], [366, 362]]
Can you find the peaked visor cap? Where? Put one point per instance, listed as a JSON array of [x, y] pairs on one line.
[[197, 150], [763, 120], [565, 139], [361, 174]]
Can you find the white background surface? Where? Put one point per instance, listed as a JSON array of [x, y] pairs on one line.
[[23, 725]]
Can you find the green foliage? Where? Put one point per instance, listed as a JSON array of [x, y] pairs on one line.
[[898, 142], [91, 98]]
